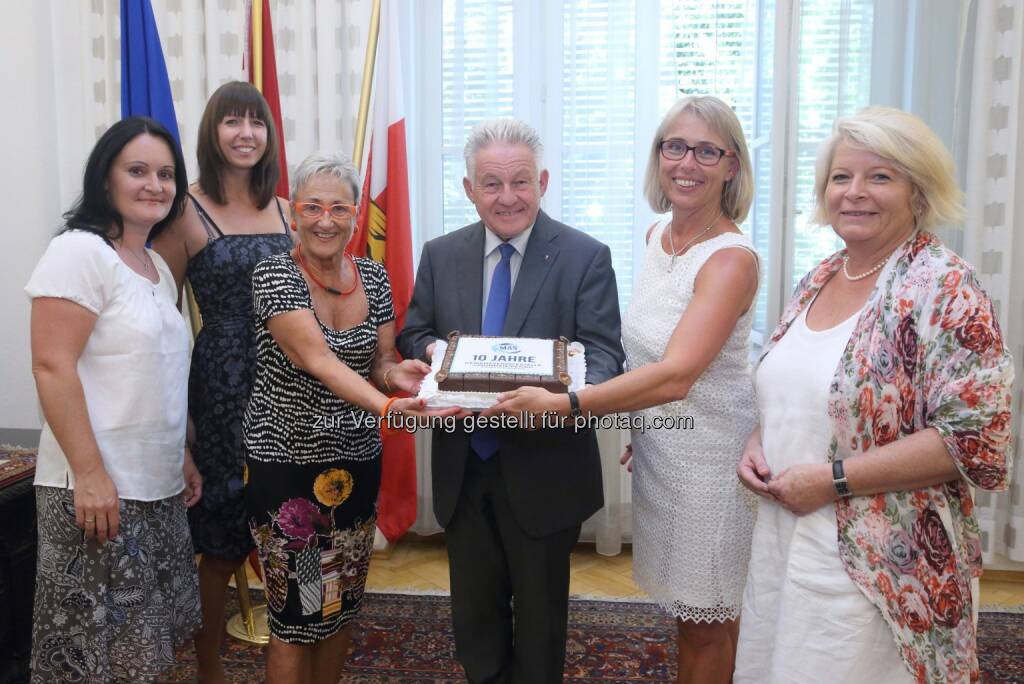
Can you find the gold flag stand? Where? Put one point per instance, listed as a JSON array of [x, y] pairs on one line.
[[381, 546]]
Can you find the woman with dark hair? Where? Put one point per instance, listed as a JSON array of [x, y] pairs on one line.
[[116, 586], [232, 221]]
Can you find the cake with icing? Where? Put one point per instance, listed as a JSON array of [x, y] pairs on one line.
[[483, 364]]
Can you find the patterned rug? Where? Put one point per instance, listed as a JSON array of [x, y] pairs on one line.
[[407, 638], [16, 463]]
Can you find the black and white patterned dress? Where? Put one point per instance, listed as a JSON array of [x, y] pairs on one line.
[[313, 462]]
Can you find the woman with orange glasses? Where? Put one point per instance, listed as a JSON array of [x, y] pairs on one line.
[[325, 325]]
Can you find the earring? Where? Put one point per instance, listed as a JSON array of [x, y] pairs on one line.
[[294, 227]]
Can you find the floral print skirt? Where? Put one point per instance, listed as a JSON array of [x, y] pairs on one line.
[[116, 611], [313, 525]]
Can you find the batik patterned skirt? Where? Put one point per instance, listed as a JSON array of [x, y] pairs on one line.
[[116, 611]]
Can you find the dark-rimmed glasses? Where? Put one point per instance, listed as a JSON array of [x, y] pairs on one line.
[[314, 210], [704, 154]]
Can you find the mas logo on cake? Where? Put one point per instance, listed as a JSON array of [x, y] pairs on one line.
[[505, 348]]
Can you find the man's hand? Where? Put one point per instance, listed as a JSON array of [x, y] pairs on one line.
[[627, 458], [407, 376]]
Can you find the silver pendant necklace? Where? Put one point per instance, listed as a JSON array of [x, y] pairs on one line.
[[143, 262], [698, 236]]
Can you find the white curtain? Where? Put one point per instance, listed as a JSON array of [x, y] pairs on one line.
[[320, 47], [990, 151]]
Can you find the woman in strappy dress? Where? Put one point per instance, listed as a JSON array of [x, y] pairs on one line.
[[232, 220], [686, 335]]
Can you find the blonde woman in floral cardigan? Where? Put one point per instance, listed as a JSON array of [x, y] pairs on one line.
[[884, 396]]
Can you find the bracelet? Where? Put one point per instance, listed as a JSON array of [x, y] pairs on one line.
[[385, 426], [839, 482], [387, 384], [574, 406]]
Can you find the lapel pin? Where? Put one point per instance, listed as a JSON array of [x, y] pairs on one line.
[[546, 257]]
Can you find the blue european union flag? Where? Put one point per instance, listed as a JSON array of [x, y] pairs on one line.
[[145, 88]]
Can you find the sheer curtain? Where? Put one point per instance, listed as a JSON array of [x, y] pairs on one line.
[[990, 147], [320, 48]]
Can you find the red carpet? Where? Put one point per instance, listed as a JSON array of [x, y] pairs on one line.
[[407, 638]]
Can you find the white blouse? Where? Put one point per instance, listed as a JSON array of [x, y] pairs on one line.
[[134, 368]]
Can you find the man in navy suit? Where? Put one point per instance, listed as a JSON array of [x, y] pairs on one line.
[[512, 500]]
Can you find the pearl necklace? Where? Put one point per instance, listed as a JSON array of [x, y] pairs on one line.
[[698, 236], [865, 274]]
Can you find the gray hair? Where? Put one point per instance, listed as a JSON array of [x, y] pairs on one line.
[[335, 164], [506, 131], [911, 147], [738, 194]]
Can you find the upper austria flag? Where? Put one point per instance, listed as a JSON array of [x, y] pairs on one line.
[[263, 75], [145, 88], [384, 233]]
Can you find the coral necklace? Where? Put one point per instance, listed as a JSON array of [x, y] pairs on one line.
[[331, 290]]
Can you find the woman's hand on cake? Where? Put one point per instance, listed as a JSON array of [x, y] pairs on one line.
[[407, 376], [411, 406], [529, 400]]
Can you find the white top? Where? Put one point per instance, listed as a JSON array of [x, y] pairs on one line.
[[492, 256], [804, 620], [134, 368], [692, 520]]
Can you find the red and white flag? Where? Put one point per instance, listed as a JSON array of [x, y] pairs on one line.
[[262, 66], [384, 233]]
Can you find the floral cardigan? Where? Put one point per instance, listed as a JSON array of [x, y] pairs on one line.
[[926, 353]]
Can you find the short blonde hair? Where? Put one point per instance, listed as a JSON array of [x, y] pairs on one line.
[[738, 193], [911, 147]]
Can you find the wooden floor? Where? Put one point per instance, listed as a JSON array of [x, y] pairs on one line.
[[421, 564]]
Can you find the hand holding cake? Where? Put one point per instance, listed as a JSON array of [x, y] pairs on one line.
[[406, 376], [532, 400]]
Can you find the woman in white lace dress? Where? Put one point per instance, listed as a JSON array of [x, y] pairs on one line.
[[686, 337]]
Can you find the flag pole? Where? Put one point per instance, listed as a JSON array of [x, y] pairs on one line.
[[256, 45], [364, 95]]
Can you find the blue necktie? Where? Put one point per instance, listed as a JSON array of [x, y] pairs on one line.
[[485, 441]]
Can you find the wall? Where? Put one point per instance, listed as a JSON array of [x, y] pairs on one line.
[[30, 187]]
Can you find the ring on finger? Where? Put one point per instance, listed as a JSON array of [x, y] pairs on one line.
[[90, 520]]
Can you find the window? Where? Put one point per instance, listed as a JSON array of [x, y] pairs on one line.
[[725, 48], [834, 80], [595, 77]]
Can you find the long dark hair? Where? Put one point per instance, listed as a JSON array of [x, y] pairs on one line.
[[93, 210], [237, 98]]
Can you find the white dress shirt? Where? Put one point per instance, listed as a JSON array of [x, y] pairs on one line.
[[492, 256]]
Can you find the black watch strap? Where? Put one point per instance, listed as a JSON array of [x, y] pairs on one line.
[[839, 482], [574, 405]]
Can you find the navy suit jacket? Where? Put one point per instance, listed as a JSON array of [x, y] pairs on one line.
[[565, 288]]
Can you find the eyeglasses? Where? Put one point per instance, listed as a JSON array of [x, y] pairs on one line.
[[314, 210], [675, 149]]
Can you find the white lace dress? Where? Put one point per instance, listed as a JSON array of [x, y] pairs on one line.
[[692, 520]]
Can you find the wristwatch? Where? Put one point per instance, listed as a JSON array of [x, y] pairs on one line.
[[574, 405], [842, 487]]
